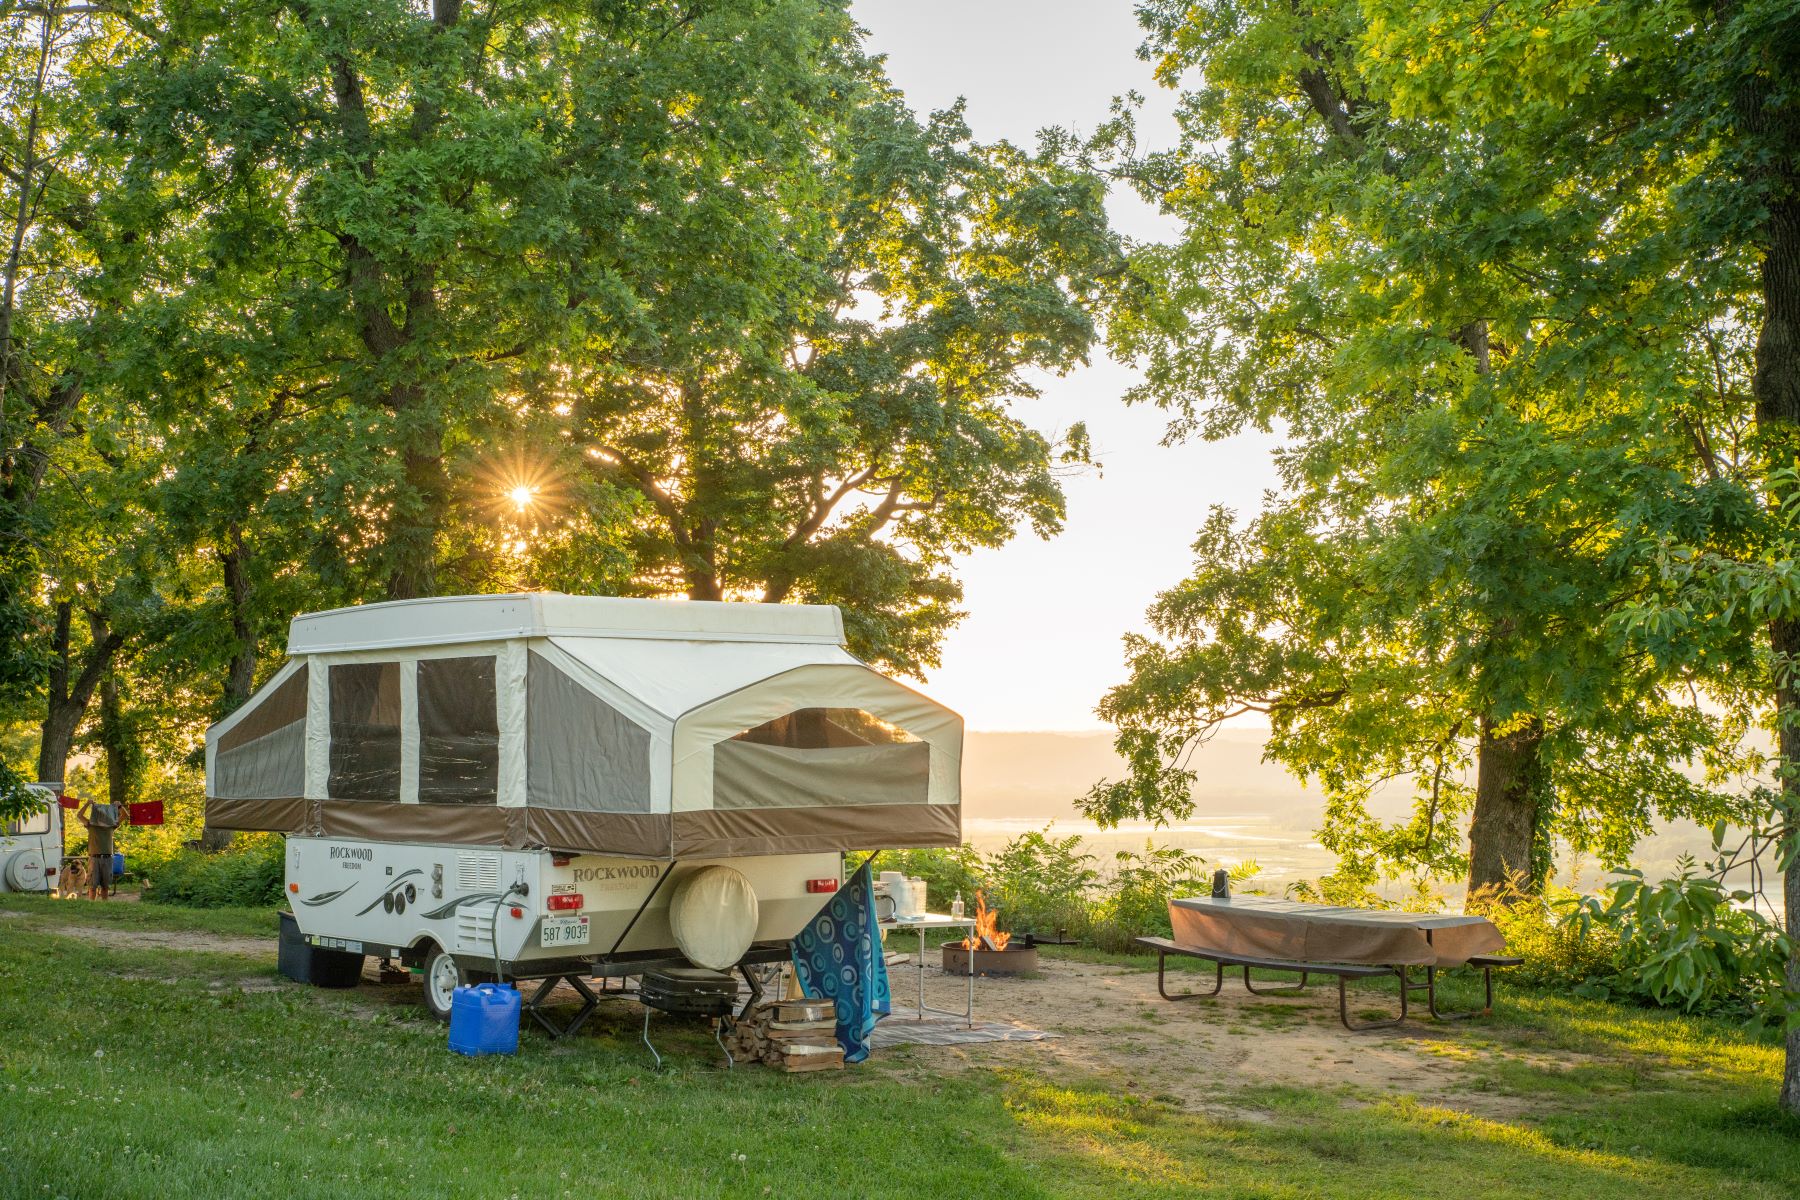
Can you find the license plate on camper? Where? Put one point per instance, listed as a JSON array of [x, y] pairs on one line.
[[563, 931]]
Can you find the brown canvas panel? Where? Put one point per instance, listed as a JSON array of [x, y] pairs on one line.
[[720, 834], [471, 825], [257, 816], [279, 708], [631, 835]]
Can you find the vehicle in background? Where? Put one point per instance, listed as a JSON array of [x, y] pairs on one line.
[[31, 847]]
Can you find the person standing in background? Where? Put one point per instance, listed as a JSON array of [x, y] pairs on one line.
[[101, 820]]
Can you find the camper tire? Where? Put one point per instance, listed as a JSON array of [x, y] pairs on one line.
[[441, 978]]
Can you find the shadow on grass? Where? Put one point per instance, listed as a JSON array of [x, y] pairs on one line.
[[1317, 1142]]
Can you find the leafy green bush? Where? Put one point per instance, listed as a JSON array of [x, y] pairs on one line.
[[1558, 952], [1048, 885], [1134, 900], [1685, 943], [1041, 883], [248, 875], [16, 800], [947, 873]]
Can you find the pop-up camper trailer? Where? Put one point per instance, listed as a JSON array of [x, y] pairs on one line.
[[589, 782]]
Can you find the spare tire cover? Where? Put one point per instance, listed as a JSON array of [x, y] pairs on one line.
[[713, 915], [25, 871]]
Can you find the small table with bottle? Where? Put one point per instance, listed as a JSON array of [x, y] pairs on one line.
[[954, 919]]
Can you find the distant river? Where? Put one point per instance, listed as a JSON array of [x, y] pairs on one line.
[[1287, 855]]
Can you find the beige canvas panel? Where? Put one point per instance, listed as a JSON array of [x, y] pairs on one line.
[[318, 730], [272, 767], [813, 830], [509, 696], [1263, 927], [821, 685], [750, 775], [674, 676], [409, 733]]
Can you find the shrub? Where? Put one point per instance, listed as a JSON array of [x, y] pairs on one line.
[[1041, 883], [1134, 900], [1558, 952], [947, 873], [1048, 885], [1685, 943], [248, 875]]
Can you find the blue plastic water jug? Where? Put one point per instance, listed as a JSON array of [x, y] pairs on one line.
[[484, 1019], [118, 864]]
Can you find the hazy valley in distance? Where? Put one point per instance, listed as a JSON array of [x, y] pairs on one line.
[[1244, 808]]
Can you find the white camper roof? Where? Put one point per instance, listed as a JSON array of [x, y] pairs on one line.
[[444, 620], [589, 724]]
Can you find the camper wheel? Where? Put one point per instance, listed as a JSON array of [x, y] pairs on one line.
[[441, 979]]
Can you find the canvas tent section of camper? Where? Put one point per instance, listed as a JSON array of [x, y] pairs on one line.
[[588, 725]]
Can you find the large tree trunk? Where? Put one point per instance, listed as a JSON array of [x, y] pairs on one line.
[[1777, 390], [115, 740], [1771, 125], [1784, 640], [418, 517], [1509, 789], [240, 676], [70, 691], [30, 191]]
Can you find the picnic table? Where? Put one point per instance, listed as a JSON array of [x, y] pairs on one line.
[[1265, 927], [1270, 934]]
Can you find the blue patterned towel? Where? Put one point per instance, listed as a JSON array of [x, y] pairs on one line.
[[838, 958]]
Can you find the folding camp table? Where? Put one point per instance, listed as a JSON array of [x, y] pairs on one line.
[[926, 921]]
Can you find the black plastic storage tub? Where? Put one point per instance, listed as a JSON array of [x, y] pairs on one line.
[[309, 964]]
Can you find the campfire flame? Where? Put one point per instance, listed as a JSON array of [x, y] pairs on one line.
[[985, 932]]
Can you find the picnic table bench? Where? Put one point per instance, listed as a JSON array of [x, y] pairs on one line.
[[1262, 933]]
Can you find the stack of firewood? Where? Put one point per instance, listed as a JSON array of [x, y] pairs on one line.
[[792, 1035]]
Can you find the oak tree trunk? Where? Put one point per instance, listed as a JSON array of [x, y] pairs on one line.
[[71, 689], [114, 740], [241, 674], [1509, 787], [1777, 391], [419, 516], [1770, 117]]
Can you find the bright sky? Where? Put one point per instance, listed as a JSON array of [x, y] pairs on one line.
[[1041, 642]]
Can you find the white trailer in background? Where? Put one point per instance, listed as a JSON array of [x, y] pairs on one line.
[[551, 786], [31, 847]]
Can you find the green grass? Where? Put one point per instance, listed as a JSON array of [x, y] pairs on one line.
[[214, 1078], [228, 922]]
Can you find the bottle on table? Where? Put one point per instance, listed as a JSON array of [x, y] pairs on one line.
[[956, 906]]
